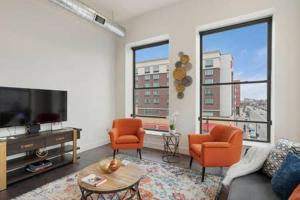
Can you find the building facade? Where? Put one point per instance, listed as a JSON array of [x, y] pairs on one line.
[[153, 74], [219, 101]]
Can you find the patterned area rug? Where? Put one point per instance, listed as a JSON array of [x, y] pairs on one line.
[[163, 181]]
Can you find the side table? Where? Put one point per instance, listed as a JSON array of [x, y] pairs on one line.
[[171, 144]]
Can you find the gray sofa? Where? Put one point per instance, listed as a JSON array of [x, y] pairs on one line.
[[256, 186]]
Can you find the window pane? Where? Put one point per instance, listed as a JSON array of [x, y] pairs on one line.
[[251, 131], [246, 102], [237, 54], [158, 124], [152, 102]]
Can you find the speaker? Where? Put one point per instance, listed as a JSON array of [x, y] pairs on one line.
[[33, 128]]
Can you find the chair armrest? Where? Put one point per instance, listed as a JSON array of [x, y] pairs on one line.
[[113, 134], [215, 145], [140, 134], [199, 139]]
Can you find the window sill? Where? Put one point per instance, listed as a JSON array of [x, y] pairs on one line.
[[259, 144], [154, 133]]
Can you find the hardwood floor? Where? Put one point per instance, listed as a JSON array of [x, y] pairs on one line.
[[87, 158]]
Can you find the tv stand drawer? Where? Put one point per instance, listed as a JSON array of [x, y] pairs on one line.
[[60, 138], [26, 145]]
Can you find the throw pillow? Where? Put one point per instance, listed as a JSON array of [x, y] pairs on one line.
[[286, 179], [277, 156]]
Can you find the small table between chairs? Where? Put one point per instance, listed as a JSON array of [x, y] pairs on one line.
[[171, 144]]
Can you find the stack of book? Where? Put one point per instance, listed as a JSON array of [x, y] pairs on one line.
[[94, 180], [38, 166]]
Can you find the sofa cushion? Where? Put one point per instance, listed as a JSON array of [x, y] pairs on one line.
[[287, 177], [196, 148], [127, 139], [296, 194], [277, 156], [256, 186]]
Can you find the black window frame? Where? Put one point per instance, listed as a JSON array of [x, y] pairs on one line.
[[134, 49], [267, 20]]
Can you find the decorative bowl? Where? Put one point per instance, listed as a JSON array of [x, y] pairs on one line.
[[109, 166]]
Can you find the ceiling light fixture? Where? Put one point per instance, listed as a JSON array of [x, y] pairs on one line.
[[89, 14]]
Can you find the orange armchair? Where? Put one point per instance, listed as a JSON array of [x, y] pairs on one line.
[[127, 133], [220, 148]]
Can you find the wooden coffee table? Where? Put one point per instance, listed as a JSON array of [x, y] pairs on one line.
[[126, 178]]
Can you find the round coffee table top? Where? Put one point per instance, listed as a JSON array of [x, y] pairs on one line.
[[123, 178]]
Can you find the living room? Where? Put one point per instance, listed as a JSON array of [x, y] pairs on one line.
[[169, 99]]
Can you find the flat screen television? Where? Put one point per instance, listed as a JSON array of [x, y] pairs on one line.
[[21, 106]]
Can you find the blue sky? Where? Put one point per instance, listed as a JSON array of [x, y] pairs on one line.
[[247, 45]]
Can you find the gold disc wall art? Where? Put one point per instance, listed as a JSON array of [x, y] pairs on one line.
[[182, 80]]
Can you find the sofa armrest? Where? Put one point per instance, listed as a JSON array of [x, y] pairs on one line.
[[199, 139], [113, 134], [140, 135]]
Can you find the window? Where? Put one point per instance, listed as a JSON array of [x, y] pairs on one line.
[[136, 78], [209, 101], [155, 76], [156, 92], [155, 69], [147, 85], [147, 77], [156, 84], [147, 70], [147, 93], [239, 94], [156, 100], [147, 101], [208, 81], [152, 59], [208, 72], [209, 63], [208, 91]]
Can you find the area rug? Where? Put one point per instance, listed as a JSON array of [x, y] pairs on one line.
[[163, 181]]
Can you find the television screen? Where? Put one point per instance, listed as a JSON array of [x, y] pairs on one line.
[[20, 106]]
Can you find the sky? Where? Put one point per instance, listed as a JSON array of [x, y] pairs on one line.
[[247, 45]]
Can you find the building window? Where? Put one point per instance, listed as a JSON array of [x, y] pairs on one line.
[[147, 85], [147, 93], [155, 76], [238, 93], [208, 91], [209, 101], [209, 63], [155, 84], [155, 69], [156, 100], [208, 72], [147, 70], [209, 81], [147, 77], [136, 78], [153, 60], [147, 101], [156, 92]]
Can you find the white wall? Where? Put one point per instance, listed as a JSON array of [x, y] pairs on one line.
[[44, 46], [180, 21]]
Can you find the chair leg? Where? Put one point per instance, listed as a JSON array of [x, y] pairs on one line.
[[140, 153], [203, 173], [114, 156], [191, 162], [117, 150]]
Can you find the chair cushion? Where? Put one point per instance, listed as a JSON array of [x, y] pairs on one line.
[[196, 148], [127, 139]]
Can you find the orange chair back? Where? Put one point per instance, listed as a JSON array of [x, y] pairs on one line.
[[127, 126]]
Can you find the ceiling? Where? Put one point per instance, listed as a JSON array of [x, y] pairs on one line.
[[120, 10]]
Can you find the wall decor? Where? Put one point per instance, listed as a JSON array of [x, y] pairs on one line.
[[182, 80]]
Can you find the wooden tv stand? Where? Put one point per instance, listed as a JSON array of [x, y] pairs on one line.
[[14, 170]]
